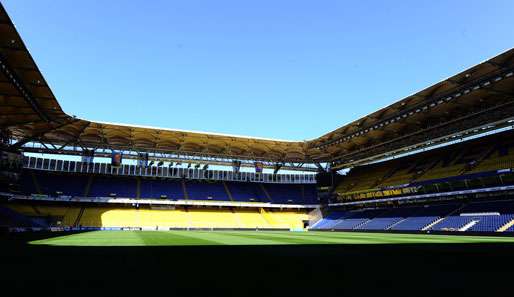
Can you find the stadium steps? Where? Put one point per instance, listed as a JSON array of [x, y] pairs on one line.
[[427, 227], [479, 160], [387, 175], [237, 218], [184, 189], [265, 192], [88, 186], [506, 226], [229, 194], [422, 172], [394, 224], [35, 182], [445, 163], [468, 225], [315, 217], [267, 217], [361, 224], [79, 217]]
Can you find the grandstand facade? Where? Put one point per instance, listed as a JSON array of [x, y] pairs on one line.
[[422, 164]]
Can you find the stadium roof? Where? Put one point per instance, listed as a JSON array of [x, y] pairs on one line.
[[474, 100]]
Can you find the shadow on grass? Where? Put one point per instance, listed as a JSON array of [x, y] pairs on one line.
[[285, 270]]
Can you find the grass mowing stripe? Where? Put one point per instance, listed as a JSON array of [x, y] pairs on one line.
[[318, 239], [247, 238], [95, 238], [159, 238], [295, 237], [228, 239]]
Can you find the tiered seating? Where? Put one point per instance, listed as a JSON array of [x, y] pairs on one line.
[[157, 188], [281, 193], [356, 218], [246, 192], [501, 158], [481, 217], [251, 219], [490, 223], [310, 194], [198, 190], [10, 218], [292, 194], [417, 218], [329, 221], [78, 185], [54, 184], [479, 155], [494, 163], [65, 215], [363, 178], [212, 218], [414, 223], [384, 220], [106, 186], [447, 166], [349, 224], [191, 218], [452, 223], [286, 219], [379, 223], [488, 216], [22, 215]]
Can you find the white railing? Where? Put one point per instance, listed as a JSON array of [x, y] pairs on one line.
[[164, 172]]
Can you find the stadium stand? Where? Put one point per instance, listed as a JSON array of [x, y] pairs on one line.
[[106, 186], [82, 185], [471, 217], [305, 194], [466, 161], [9, 218], [417, 218], [160, 188], [154, 190], [250, 192], [198, 190], [24, 215]]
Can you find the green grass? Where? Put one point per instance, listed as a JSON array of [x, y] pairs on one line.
[[182, 238]]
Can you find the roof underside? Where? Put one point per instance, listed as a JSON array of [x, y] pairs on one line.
[[478, 96]]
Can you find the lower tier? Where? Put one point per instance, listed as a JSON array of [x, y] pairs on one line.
[[112, 216]]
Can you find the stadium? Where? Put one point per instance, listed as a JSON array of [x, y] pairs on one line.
[[420, 192]]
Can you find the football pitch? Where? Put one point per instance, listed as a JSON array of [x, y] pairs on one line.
[[206, 238], [256, 263]]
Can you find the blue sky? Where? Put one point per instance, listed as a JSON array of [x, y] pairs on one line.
[[279, 69]]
